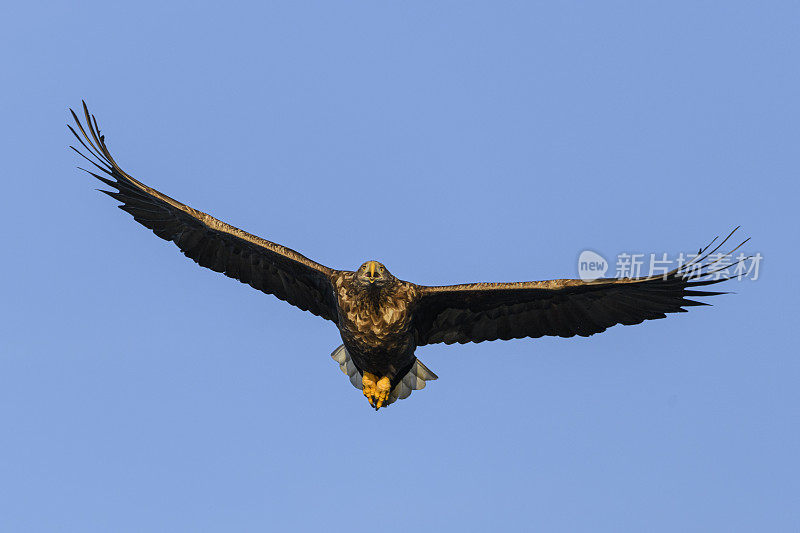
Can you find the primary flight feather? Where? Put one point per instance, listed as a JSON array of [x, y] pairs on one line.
[[382, 319]]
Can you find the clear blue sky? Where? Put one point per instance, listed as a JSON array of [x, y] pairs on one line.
[[455, 142]]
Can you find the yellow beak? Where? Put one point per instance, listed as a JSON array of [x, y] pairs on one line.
[[372, 271]]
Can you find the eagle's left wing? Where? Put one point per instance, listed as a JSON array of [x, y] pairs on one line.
[[564, 307], [211, 243]]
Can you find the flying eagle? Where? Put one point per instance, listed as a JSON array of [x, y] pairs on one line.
[[382, 319]]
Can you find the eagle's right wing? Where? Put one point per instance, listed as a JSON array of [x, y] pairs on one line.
[[266, 266], [563, 307]]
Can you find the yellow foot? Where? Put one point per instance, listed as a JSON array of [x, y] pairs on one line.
[[376, 390]]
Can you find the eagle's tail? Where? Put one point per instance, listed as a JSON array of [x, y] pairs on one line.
[[413, 380]]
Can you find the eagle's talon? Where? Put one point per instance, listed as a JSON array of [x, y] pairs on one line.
[[384, 387], [376, 389]]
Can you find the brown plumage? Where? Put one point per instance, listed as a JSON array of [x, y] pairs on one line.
[[381, 319]]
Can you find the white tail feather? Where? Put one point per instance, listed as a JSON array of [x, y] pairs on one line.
[[346, 364]]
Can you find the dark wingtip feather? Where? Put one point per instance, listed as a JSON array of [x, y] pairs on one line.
[[110, 193], [705, 293], [107, 181], [687, 302]]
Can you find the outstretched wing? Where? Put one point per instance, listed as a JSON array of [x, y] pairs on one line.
[[562, 307], [211, 243]]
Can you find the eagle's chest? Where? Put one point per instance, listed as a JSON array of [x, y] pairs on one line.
[[372, 324]]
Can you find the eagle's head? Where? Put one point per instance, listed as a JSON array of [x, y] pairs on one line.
[[373, 274]]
